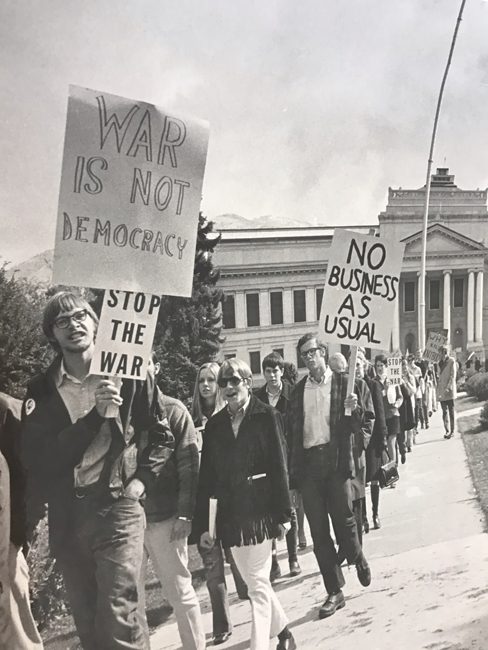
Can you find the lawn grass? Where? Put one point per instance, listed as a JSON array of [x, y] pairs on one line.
[[475, 439]]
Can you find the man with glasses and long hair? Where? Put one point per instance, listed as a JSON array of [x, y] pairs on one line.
[[321, 462], [92, 471]]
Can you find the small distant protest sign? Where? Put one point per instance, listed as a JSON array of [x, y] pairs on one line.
[[131, 186], [394, 369], [361, 290], [435, 341], [125, 334]]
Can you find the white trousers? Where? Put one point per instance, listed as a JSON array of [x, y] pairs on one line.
[[170, 563], [268, 617]]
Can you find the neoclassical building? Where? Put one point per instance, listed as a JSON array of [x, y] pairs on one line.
[[273, 278]]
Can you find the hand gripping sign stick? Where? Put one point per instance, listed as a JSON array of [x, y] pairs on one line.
[[352, 374], [112, 409]]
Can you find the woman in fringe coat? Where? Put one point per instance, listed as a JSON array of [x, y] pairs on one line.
[[244, 467]]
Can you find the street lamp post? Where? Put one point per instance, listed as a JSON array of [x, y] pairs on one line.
[[427, 186]]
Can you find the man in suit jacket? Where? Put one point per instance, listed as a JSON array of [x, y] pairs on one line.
[[321, 462], [276, 392], [446, 390]]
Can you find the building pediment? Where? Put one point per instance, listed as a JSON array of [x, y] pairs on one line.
[[441, 239]]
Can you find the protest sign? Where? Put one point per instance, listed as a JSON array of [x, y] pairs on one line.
[[435, 341], [394, 370], [131, 185], [125, 334], [361, 290]]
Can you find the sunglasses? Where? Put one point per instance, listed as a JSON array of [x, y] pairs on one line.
[[234, 381], [78, 317]]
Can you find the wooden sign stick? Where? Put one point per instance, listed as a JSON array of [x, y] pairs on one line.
[[352, 373]]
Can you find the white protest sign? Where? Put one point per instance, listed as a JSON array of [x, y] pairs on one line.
[[361, 290], [394, 370], [131, 186], [125, 334], [435, 341]]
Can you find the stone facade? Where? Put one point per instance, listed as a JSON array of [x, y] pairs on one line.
[[273, 278]]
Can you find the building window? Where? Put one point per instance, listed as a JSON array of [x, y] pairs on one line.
[[280, 351], [409, 296], [458, 298], [434, 294], [299, 306], [255, 362], [276, 300], [319, 294], [252, 303], [229, 312]]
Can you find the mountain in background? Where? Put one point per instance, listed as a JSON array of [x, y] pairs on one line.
[[39, 268]]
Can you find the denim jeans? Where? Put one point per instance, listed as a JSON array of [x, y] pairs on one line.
[[213, 562], [101, 564]]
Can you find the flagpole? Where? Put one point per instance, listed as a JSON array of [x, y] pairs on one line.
[[427, 187]]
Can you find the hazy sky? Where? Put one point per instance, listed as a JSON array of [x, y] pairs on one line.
[[315, 108]]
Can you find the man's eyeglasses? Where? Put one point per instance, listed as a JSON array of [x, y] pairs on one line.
[[234, 381], [307, 354], [78, 317]]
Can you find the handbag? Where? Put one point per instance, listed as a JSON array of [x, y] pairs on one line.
[[388, 473]]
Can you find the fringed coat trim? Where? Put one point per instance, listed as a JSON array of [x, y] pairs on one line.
[[248, 511]]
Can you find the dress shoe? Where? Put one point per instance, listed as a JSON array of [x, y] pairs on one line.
[[221, 638], [295, 568], [366, 526], [275, 572], [447, 435], [376, 522], [364, 573], [287, 643], [332, 604]]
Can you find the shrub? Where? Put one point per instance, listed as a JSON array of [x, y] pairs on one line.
[[484, 416], [477, 386]]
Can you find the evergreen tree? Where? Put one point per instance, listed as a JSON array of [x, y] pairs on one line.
[[23, 348], [189, 329]]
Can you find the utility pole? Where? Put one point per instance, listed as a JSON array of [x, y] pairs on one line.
[[427, 186]]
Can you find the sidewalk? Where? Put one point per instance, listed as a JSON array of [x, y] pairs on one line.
[[429, 563]]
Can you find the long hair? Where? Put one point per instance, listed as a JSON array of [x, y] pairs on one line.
[[196, 406], [63, 301]]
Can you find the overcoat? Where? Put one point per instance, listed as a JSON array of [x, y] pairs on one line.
[[249, 510]]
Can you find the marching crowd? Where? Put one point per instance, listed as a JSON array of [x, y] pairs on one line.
[[129, 473]]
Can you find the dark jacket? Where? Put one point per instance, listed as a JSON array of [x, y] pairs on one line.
[[175, 489], [345, 430], [10, 410], [378, 442], [248, 511], [283, 400], [52, 446]]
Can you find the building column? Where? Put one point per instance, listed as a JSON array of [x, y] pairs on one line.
[[446, 320], [478, 320], [241, 317], [287, 306], [470, 307], [310, 304], [264, 308]]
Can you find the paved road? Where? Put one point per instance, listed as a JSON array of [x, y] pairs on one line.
[[429, 562]]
